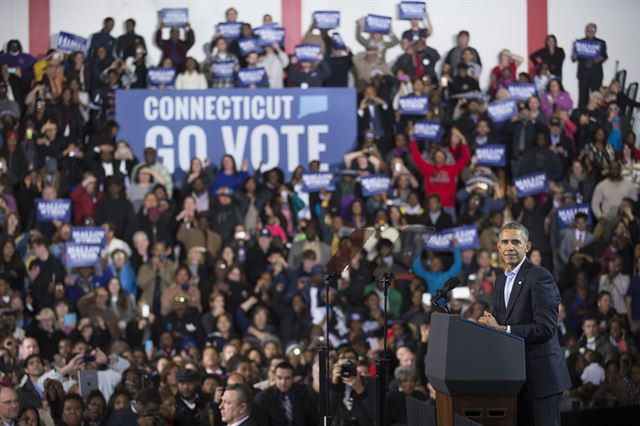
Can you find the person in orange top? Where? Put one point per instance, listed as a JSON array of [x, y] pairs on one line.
[[440, 177]]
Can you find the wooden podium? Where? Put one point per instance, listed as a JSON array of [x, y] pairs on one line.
[[475, 370]]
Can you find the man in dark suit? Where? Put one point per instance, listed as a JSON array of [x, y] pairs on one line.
[[236, 405], [527, 300], [146, 404], [590, 70], [436, 217], [285, 403]]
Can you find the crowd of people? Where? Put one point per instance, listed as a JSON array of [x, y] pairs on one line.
[[207, 304]]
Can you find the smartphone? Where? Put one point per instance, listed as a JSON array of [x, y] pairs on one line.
[[88, 381], [11, 70], [145, 311], [397, 167], [87, 359], [148, 346], [70, 319], [426, 299], [461, 293]]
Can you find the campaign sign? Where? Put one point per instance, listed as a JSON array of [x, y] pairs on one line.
[[374, 185], [252, 76], [427, 130], [377, 24], [502, 110], [566, 215], [467, 237], [223, 69], [338, 43], [50, 210], [522, 91], [158, 76], [270, 34], [248, 45], [307, 52], [532, 184], [229, 30], [413, 105], [279, 127], [314, 182], [68, 43], [587, 49], [491, 155], [81, 255], [92, 235], [174, 17], [326, 20], [412, 9]]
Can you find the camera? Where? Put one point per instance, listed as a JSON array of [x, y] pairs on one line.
[[348, 369]]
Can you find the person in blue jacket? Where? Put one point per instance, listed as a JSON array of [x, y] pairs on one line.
[[436, 277]]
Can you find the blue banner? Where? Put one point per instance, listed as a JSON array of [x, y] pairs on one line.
[[412, 9], [374, 185], [522, 91], [338, 42], [427, 130], [308, 52], [326, 20], [491, 155], [280, 127], [68, 43], [502, 110], [587, 49], [174, 17], [223, 69], [252, 77], [413, 105], [248, 45], [532, 184], [82, 255], [314, 182], [229, 30], [158, 76], [270, 34], [91, 235], [566, 215], [467, 237], [50, 210], [377, 24]]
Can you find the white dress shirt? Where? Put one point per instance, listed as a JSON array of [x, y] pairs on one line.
[[508, 285], [239, 422]]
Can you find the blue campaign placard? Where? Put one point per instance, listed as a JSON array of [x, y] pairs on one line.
[[252, 77], [337, 40], [491, 155], [567, 214], [248, 45], [427, 130], [377, 24], [270, 34], [413, 105], [587, 49], [223, 69], [314, 182], [412, 9], [374, 185], [158, 76], [532, 184], [229, 30], [82, 255], [279, 127], [174, 17], [326, 20], [68, 43], [467, 237], [50, 210], [522, 91], [501, 111], [308, 52], [91, 235]]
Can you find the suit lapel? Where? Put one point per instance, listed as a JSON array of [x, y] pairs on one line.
[[518, 283], [500, 308]]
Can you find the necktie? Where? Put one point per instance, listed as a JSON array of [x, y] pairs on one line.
[[288, 409]]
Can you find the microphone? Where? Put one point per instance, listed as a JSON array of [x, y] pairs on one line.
[[446, 288]]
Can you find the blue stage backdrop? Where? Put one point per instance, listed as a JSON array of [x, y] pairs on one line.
[[279, 127]]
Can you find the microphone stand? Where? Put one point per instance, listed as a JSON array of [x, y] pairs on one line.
[[382, 364], [440, 294], [331, 280]]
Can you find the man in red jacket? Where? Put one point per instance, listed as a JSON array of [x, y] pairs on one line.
[[440, 177], [85, 198]]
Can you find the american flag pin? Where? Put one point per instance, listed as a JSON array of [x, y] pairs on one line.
[[520, 282]]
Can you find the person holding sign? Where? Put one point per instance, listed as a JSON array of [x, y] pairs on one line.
[[416, 32], [526, 305], [590, 52], [222, 65], [307, 74], [274, 61], [174, 47], [375, 40], [555, 98]]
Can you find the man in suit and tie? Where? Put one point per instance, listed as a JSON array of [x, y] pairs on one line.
[[235, 407], [285, 403], [527, 300], [573, 239]]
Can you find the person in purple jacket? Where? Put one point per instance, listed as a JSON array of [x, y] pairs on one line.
[[16, 58], [554, 98]]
